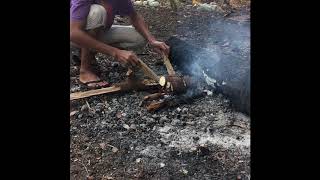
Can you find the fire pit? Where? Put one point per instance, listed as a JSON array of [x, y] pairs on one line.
[[172, 89]]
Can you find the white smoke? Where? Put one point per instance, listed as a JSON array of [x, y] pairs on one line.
[[224, 38]]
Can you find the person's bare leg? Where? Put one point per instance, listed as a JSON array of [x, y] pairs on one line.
[[87, 73]]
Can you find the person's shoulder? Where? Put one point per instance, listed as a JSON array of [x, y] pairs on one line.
[[79, 9], [83, 1]]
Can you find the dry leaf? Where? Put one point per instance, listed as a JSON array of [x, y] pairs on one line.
[[90, 178], [126, 126], [103, 146], [162, 165], [184, 171], [114, 149], [73, 113], [107, 178], [119, 115]]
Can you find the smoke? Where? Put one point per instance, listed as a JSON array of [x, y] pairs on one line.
[[225, 54], [221, 59]]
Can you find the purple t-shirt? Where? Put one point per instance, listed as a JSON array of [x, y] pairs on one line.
[[79, 9]]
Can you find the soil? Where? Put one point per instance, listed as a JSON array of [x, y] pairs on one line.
[[112, 137]]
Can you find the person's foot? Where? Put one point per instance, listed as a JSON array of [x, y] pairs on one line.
[[91, 80]]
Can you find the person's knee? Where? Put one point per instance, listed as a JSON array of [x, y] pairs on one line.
[[96, 17], [136, 42], [136, 37], [140, 41]]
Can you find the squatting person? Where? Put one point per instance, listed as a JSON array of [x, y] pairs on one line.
[[91, 30]]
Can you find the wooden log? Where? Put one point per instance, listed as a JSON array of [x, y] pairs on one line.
[[189, 81], [162, 81], [147, 71], [177, 84], [173, 83]]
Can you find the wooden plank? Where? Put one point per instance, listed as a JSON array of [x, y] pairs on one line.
[[79, 95], [120, 87]]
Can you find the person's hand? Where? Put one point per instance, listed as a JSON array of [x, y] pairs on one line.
[[126, 57], [160, 47]]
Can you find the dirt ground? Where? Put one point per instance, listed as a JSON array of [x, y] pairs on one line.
[[112, 137]]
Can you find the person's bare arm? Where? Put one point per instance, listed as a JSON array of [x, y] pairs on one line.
[[83, 39], [138, 22]]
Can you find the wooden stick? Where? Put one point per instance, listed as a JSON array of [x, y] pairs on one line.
[[147, 71], [156, 105], [172, 101], [120, 87], [168, 65], [153, 96]]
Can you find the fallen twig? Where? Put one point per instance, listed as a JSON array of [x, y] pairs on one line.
[[236, 125], [84, 168], [156, 105], [153, 96]]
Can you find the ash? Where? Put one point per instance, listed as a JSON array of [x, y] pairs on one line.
[[202, 139]]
